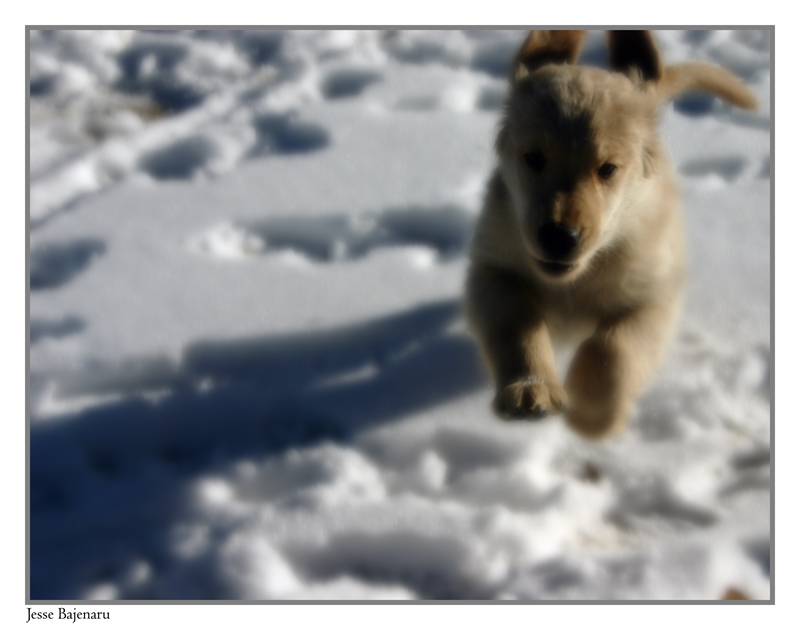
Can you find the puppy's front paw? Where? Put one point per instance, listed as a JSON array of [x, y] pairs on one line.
[[596, 423], [529, 398], [600, 388]]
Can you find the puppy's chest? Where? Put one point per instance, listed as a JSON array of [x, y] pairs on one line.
[[570, 318]]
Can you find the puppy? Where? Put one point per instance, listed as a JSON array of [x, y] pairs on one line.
[[581, 233]]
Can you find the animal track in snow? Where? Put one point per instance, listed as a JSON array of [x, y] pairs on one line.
[[348, 82], [54, 328], [283, 134], [494, 58], [180, 160], [753, 459], [420, 48], [654, 500], [444, 229], [55, 264], [261, 47], [728, 168], [178, 72], [697, 37], [751, 471], [694, 104], [220, 149], [717, 395], [433, 566]]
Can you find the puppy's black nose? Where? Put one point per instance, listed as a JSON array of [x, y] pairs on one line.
[[558, 240]]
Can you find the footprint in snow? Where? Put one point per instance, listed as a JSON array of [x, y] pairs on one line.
[[152, 68], [284, 134], [697, 37], [656, 502], [694, 104], [348, 82], [55, 264], [187, 157], [54, 328], [494, 58], [727, 168], [181, 160], [445, 230]]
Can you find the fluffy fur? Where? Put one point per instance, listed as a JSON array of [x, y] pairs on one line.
[[581, 234]]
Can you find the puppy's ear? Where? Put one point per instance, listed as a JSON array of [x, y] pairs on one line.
[[683, 77], [637, 51], [634, 51], [543, 47]]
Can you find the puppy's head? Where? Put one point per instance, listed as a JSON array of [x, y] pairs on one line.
[[577, 145]]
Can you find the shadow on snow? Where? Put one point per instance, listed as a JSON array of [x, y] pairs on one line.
[[109, 482]]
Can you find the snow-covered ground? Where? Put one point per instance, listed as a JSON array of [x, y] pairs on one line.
[[249, 375]]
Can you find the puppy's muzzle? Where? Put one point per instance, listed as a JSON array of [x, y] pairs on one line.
[[558, 241]]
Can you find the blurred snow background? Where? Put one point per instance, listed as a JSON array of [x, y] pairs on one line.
[[249, 377]]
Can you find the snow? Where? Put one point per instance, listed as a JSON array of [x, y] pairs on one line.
[[249, 375]]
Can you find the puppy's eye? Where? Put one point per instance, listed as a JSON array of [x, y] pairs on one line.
[[607, 170], [536, 160]]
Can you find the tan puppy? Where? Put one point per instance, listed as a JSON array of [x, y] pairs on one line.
[[581, 233]]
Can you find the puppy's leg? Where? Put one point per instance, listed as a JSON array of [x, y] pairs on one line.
[[504, 316], [612, 367]]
